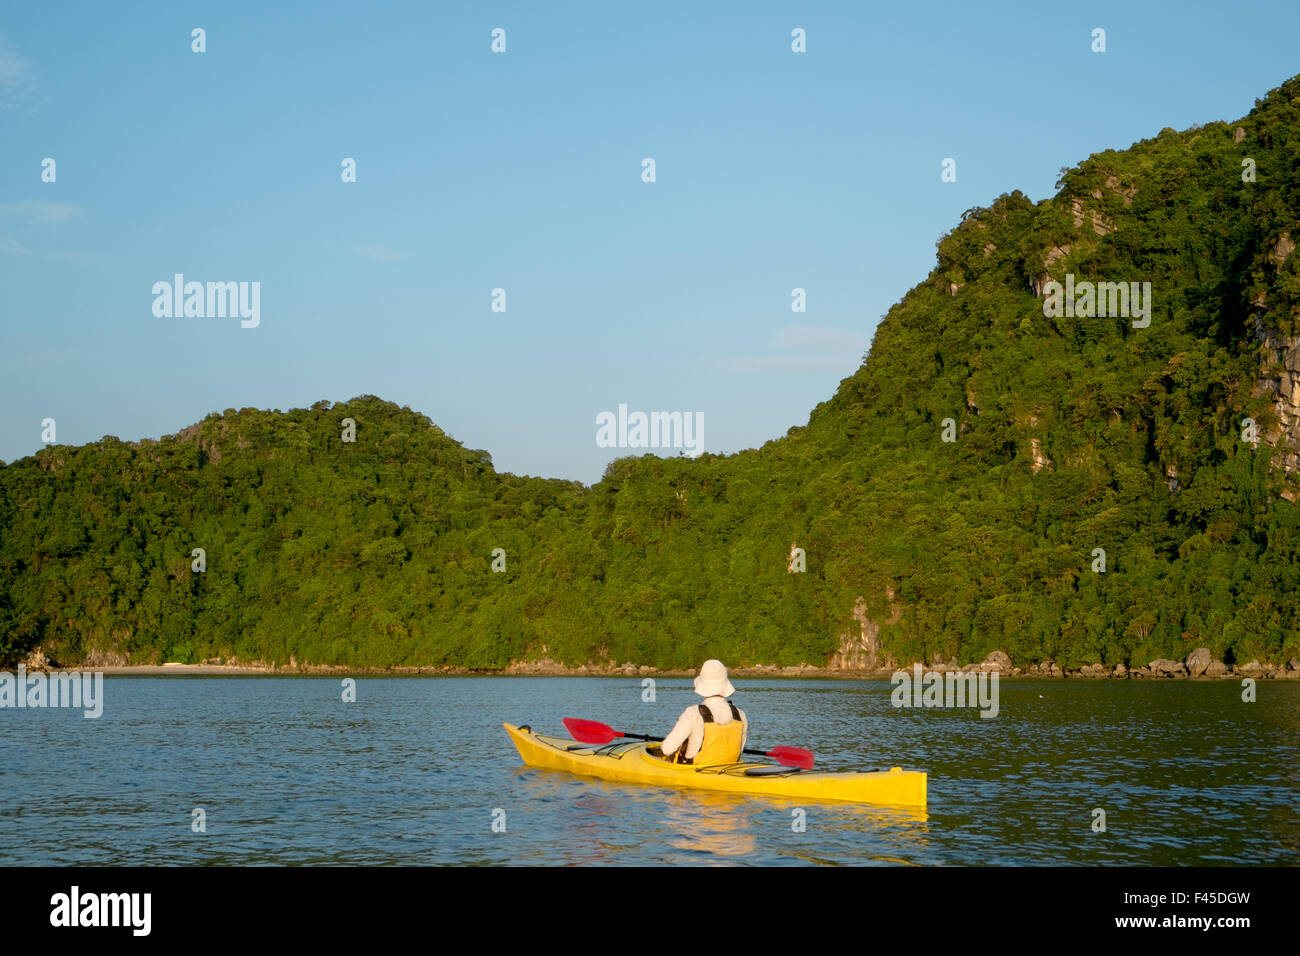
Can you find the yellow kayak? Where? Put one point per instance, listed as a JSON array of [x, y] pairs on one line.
[[632, 763]]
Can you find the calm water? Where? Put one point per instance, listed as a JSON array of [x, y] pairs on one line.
[[411, 773]]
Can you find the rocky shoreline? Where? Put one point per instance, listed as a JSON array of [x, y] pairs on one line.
[[1199, 665]]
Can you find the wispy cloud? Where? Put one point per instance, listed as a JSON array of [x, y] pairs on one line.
[[379, 253], [11, 247], [17, 78], [823, 339], [37, 212], [807, 349], [784, 363]]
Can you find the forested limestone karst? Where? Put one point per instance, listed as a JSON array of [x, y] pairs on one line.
[[1077, 434]]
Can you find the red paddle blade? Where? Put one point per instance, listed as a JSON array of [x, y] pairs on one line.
[[590, 731], [792, 757]]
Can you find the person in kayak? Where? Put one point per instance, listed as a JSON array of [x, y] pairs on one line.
[[713, 732]]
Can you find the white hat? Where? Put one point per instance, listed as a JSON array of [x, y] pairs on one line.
[[713, 680]]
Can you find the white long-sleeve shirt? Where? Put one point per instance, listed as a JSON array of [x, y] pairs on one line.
[[690, 726]]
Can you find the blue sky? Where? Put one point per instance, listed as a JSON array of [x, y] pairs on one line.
[[522, 171]]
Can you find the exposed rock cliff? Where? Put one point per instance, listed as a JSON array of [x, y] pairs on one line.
[[860, 645]]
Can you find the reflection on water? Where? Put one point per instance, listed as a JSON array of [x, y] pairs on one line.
[[710, 824], [605, 822], [412, 772]]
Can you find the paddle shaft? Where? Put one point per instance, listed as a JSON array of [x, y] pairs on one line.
[[594, 732], [756, 753]]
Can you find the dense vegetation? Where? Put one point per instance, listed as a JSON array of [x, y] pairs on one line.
[[1072, 434]]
